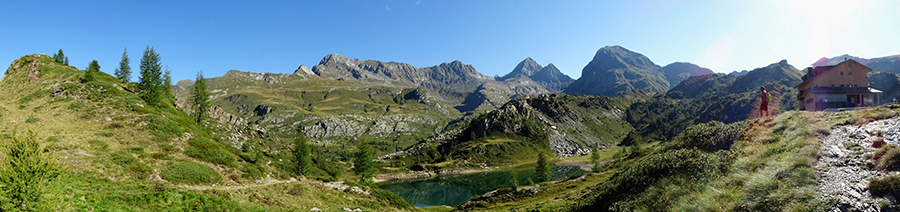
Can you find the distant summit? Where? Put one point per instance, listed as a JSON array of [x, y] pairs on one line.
[[548, 77], [615, 70], [679, 71], [889, 64]]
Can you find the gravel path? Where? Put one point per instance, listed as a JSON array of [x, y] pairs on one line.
[[843, 169]]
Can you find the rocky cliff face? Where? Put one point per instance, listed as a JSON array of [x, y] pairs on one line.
[[615, 70], [450, 81]]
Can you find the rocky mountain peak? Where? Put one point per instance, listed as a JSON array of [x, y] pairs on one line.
[[304, 70], [332, 58], [525, 68], [615, 70]]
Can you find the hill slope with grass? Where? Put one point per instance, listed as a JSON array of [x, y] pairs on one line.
[[715, 97], [559, 124], [117, 152], [797, 161]]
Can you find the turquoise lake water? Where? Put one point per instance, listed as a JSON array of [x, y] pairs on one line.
[[457, 189]]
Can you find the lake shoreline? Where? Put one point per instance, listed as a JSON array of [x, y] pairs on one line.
[[412, 175]]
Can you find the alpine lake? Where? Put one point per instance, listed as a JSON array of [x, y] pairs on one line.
[[454, 190]]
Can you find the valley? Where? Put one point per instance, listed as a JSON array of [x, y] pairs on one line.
[[447, 137]]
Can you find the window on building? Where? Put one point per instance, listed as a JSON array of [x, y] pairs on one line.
[[832, 85], [850, 73], [842, 73], [842, 85]]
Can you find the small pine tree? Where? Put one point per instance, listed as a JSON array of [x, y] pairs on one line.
[[595, 159], [59, 57], [364, 164], [304, 164], [514, 178], [200, 99], [26, 175], [544, 169], [636, 149], [92, 69], [123, 72], [167, 84], [151, 81]]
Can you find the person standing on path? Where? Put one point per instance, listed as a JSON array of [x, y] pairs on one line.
[[764, 105]]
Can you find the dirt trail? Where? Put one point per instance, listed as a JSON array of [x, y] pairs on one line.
[[843, 170], [234, 187]]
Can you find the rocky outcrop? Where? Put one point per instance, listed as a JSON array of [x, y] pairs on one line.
[[304, 70], [33, 72], [573, 125], [355, 125]]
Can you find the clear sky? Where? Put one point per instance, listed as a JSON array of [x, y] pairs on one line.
[[493, 36]]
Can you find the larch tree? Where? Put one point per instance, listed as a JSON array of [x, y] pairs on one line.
[[364, 164], [123, 72], [59, 57], [151, 81], [26, 175], [200, 100], [304, 163], [92, 69], [167, 84], [544, 169]]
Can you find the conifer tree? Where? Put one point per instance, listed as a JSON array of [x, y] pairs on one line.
[[167, 84], [59, 57], [92, 69], [123, 72], [200, 99], [364, 166], [595, 160], [543, 169], [304, 164], [25, 175], [151, 81]]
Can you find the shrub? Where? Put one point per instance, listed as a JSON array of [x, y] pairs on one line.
[[132, 164], [105, 134], [190, 173], [889, 184], [887, 158], [710, 137], [27, 175], [32, 120], [98, 143], [253, 171], [209, 151], [162, 127]]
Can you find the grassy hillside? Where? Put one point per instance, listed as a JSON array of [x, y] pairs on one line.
[[765, 164], [333, 114], [119, 153]]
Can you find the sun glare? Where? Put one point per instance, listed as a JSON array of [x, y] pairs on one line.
[[824, 19]]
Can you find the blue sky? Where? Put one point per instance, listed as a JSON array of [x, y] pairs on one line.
[[493, 36]]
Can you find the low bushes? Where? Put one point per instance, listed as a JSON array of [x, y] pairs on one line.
[[190, 173], [709, 137], [209, 151]]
